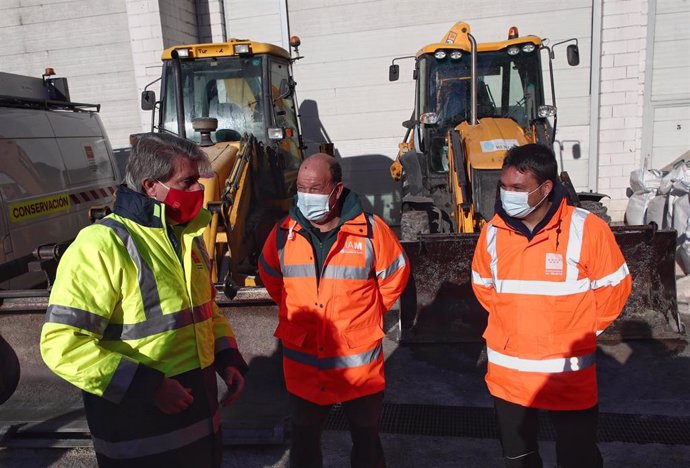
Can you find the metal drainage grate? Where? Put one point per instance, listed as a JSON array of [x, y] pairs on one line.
[[461, 421]]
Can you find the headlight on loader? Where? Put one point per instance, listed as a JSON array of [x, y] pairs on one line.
[[242, 49], [430, 118], [276, 133], [546, 111]]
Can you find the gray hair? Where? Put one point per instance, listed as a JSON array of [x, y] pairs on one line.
[[152, 157], [336, 172]]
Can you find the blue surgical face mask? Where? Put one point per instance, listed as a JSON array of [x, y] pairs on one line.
[[516, 204], [314, 206]]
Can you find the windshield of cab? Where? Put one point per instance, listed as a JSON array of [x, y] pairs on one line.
[[226, 88], [507, 86]]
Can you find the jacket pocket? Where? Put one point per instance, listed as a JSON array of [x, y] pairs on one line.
[[362, 336], [576, 342], [290, 333]]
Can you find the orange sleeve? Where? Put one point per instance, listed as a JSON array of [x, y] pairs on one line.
[[607, 271], [482, 279], [391, 266], [269, 267]]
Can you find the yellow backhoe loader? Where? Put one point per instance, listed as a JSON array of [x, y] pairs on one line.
[[474, 101], [236, 99]]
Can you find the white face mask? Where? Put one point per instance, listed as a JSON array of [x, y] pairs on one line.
[[516, 204], [314, 206]]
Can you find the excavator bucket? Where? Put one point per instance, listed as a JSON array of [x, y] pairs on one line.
[[439, 306]]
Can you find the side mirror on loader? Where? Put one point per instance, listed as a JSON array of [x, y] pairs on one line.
[[393, 72], [573, 53], [148, 100]]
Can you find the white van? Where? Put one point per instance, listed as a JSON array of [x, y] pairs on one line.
[[55, 163]]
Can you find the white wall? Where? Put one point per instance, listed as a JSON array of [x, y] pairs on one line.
[[211, 20], [623, 64], [146, 45], [258, 20], [178, 22], [158, 24], [645, 102], [667, 104]]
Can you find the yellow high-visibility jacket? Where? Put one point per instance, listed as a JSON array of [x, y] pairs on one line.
[[133, 302]]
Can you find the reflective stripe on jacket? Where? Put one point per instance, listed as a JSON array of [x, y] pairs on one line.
[[547, 298], [126, 310], [331, 330]]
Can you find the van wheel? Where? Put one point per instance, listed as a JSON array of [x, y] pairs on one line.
[[596, 208], [413, 223], [9, 370]]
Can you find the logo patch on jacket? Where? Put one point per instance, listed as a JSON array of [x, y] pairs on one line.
[[352, 247], [554, 264], [197, 262]]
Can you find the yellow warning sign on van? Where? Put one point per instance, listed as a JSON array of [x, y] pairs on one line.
[[34, 208]]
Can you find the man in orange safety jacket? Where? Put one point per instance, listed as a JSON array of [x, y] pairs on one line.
[[552, 278], [333, 270]]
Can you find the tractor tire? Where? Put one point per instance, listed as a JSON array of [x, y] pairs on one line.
[[596, 208], [413, 223]]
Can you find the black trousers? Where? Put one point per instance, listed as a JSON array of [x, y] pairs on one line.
[[363, 415], [575, 436]]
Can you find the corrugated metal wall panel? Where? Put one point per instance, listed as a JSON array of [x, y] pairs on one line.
[[670, 99]]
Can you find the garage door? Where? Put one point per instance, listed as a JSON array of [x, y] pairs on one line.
[[668, 100]]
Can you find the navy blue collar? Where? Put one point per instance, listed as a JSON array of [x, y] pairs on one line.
[[137, 207]]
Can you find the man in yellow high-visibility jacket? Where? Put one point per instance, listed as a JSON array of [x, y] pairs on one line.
[[132, 320]]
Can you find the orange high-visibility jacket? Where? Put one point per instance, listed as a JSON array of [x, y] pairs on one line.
[[331, 331], [547, 299]]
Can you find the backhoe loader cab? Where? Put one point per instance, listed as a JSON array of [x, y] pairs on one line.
[[473, 102], [237, 100], [246, 85]]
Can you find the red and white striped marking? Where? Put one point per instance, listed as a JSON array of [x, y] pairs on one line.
[[91, 195]]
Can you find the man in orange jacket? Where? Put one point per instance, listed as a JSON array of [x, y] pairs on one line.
[[552, 278], [333, 270]]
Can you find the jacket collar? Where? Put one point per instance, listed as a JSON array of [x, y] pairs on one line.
[[149, 212], [551, 219]]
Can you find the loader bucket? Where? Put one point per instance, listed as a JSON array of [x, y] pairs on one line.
[[652, 309], [438, 305]]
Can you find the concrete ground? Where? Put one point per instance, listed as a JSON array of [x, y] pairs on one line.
[[401, 452], [649, 378]]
